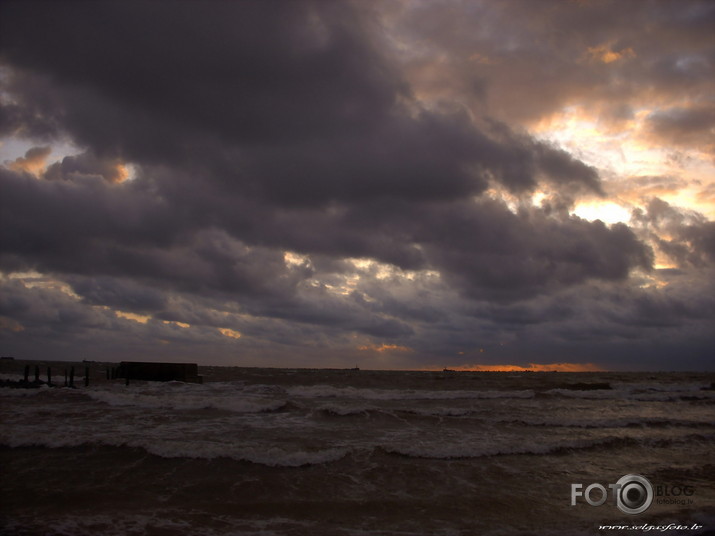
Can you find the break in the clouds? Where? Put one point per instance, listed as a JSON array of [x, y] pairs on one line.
[[393, 184]]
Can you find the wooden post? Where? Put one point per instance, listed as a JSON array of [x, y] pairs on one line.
[[49, 376], [37, 373], [127, 373], [65, 376], [86, 376], [108, 374], [72, 377], [27, 373]]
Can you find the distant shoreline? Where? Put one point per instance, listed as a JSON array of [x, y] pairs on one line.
[[8, 362]]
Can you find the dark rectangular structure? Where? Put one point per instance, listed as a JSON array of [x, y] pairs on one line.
[[159, 372]]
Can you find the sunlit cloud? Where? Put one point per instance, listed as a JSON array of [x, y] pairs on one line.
[[124, 172], [292, 258], [9, 324], [176, 323], [605, 54], [34, 161], [383, 348], [628, 152], [142, 319], [32, 279], [230, 333]]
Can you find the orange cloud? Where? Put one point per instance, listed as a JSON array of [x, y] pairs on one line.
[[142, 319], [230, 333], [10, 324], [603, 53], [34, 161], [533, 367]]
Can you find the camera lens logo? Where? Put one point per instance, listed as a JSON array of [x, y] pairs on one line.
[[634, 494]]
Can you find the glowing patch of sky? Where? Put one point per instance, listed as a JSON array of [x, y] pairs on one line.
[[607, 212], [13, 148], [533, 367], [626, 151]]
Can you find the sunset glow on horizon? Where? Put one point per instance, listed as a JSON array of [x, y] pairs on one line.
[[532, 367]]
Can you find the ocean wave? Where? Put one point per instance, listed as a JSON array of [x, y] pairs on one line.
[[623, 422], [12, 392], [271, 456], [599, 394], [442, 411], [655, 395], [335, 410], [663, 387], [454, 451], [264, 389], [329, 391], [149, 521], [187, 401]]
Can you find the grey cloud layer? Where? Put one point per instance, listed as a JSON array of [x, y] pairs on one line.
[[259, 127]]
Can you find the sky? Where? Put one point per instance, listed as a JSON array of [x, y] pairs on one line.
[[389, 184]]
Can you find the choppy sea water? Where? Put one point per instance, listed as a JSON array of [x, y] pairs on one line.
[[340, 452]]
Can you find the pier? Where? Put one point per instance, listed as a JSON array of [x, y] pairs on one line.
[[36, 374]]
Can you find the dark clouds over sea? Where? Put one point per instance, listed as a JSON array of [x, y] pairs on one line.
[[324, 183]]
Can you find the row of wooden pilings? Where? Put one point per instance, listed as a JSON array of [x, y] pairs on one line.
[[69, 376]]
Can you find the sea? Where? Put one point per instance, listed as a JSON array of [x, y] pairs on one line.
[[316, 452]]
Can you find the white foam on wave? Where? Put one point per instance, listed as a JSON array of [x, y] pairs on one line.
[[328, 391], [11, 392], [263, 389], [14, 377]]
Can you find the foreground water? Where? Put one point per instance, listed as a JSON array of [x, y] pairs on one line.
[[333, 452]]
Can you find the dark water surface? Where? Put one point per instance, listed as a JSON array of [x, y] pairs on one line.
[[334, 452]]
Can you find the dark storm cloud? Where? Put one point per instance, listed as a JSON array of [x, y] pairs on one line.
[[45, 311], [690, 237], [244, 71], [90, 226], [210, 163], [218, 136], [63, 225], [86, 164], [313, 114], [500, 254], [685, 126], [122, 294]]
